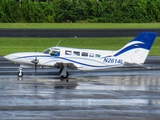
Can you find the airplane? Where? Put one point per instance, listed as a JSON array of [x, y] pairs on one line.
[[64, 58]]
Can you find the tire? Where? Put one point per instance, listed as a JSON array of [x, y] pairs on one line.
[[67, 74], [20, 74]]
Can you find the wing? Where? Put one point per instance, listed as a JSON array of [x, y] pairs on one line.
[[69, 65]]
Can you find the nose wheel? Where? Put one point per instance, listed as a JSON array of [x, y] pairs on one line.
[[20, 73]]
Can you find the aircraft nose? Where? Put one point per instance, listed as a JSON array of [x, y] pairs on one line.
[[9, 57]]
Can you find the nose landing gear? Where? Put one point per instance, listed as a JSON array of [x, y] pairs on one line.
[[20, 73]]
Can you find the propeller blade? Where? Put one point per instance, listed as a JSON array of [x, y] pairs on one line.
[[35, 68], [35, 61]]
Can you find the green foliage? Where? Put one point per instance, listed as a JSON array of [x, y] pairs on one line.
[[63, 11]]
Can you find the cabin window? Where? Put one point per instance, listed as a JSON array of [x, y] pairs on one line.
[[68, 52], [97, 55], [76, 53], [91, 55], [85, 54]]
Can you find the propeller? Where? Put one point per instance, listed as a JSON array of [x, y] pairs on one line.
[[35, 61]]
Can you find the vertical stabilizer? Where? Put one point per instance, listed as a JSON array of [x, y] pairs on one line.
[[136, 50]]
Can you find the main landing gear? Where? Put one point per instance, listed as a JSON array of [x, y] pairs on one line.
[[20, 73], [63, 71]]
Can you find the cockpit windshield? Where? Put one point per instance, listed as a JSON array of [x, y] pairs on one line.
[[47, 51], [52, 51]]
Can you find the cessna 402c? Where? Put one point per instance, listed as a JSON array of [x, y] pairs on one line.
[[64, 58]]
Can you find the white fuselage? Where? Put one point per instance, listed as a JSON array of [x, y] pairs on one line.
[[83, 59]]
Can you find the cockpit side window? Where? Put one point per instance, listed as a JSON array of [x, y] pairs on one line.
[[55, 53], [52, 51]]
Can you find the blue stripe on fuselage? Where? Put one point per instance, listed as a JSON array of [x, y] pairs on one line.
[[134, 46], [73, 61]]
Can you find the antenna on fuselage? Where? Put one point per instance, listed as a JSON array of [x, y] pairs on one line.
[[58, 43]]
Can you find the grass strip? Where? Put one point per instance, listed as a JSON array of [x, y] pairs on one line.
[[11, 45], [79, 25]]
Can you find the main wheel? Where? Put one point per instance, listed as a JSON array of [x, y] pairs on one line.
[[20, 74], [67, 74]]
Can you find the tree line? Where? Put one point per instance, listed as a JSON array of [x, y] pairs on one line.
[[93, 11]]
